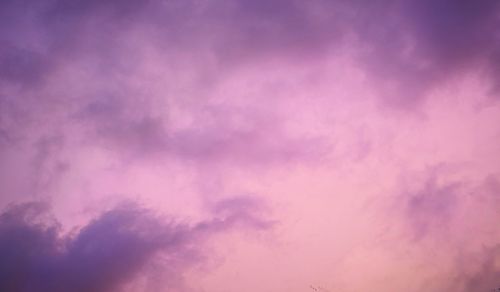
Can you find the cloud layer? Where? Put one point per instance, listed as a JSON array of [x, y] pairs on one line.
[[369, 130]]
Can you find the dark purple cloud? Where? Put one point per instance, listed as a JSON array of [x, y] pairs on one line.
[[487, 276], [435, 206], [422, 40], [456, 217], [110, 251], [408, 47], [214, 134], [431, 208], [420, 44], [20, 65], [53, 35]]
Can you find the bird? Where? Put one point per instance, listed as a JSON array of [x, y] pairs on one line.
[[318, 288]]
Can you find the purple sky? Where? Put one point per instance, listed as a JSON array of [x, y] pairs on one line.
[[249, 145]]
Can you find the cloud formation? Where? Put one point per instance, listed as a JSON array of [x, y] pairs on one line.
[[109, 252], [413, 44], [317, 107], [452, 218]]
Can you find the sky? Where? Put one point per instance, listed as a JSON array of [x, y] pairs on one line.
[[243, 146]]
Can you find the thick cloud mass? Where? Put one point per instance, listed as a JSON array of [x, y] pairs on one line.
[[420, 44], [425, 41], [110, 251], [371, 130]]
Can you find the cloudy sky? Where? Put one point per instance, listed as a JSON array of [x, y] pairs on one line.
[[249, 145]]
